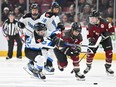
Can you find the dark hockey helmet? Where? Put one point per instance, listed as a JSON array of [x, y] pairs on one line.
[[34, 6], [76, 26], [55, 5], [94, 13], [39, 27]]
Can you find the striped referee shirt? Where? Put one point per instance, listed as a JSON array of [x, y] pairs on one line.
[[10, 28]]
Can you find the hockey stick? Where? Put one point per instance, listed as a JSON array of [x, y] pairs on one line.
[[48, 47], [41, 45], [92, 46], [104, 38], [79, 61], [28, 30], [87, 52], [82, 57]]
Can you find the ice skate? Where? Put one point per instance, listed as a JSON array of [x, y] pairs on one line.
[[78, 75], [108, 70], [30, 66], [39, 73], [35, 73], [49, 68], [8, 58], [87, 69], [60, 68], [20, 57]]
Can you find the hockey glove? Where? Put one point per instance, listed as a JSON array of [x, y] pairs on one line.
[[106, 35], [61, 26], [71, 52], [91, 41], [53, 36], [59, 42], [21, 25]]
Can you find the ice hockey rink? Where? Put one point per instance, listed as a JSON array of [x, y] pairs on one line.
[[12, 74]]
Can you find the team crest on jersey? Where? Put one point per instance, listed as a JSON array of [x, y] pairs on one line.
[[47, 15], [102, 25], [76, 40], [97, 33], [39, 40]]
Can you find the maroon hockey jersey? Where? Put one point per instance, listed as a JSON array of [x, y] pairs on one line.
[[67, 37], [96, 30]]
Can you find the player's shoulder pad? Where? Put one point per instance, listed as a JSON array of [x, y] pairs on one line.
[[27, 15], [49, 14]]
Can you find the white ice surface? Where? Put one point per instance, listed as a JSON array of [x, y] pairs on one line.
[[13, 75]]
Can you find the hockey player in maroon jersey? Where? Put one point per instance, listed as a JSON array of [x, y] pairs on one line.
[[72, 36], [98, 27]]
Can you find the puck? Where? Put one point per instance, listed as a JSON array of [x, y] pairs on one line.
[[95, 83]]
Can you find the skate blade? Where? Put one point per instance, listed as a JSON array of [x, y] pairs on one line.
[[86, 72], [28, 71], [49, 73], [80, 79], [38, 78], [108, 74]]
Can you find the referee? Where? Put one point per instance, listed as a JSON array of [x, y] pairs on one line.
[[11, 32]]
